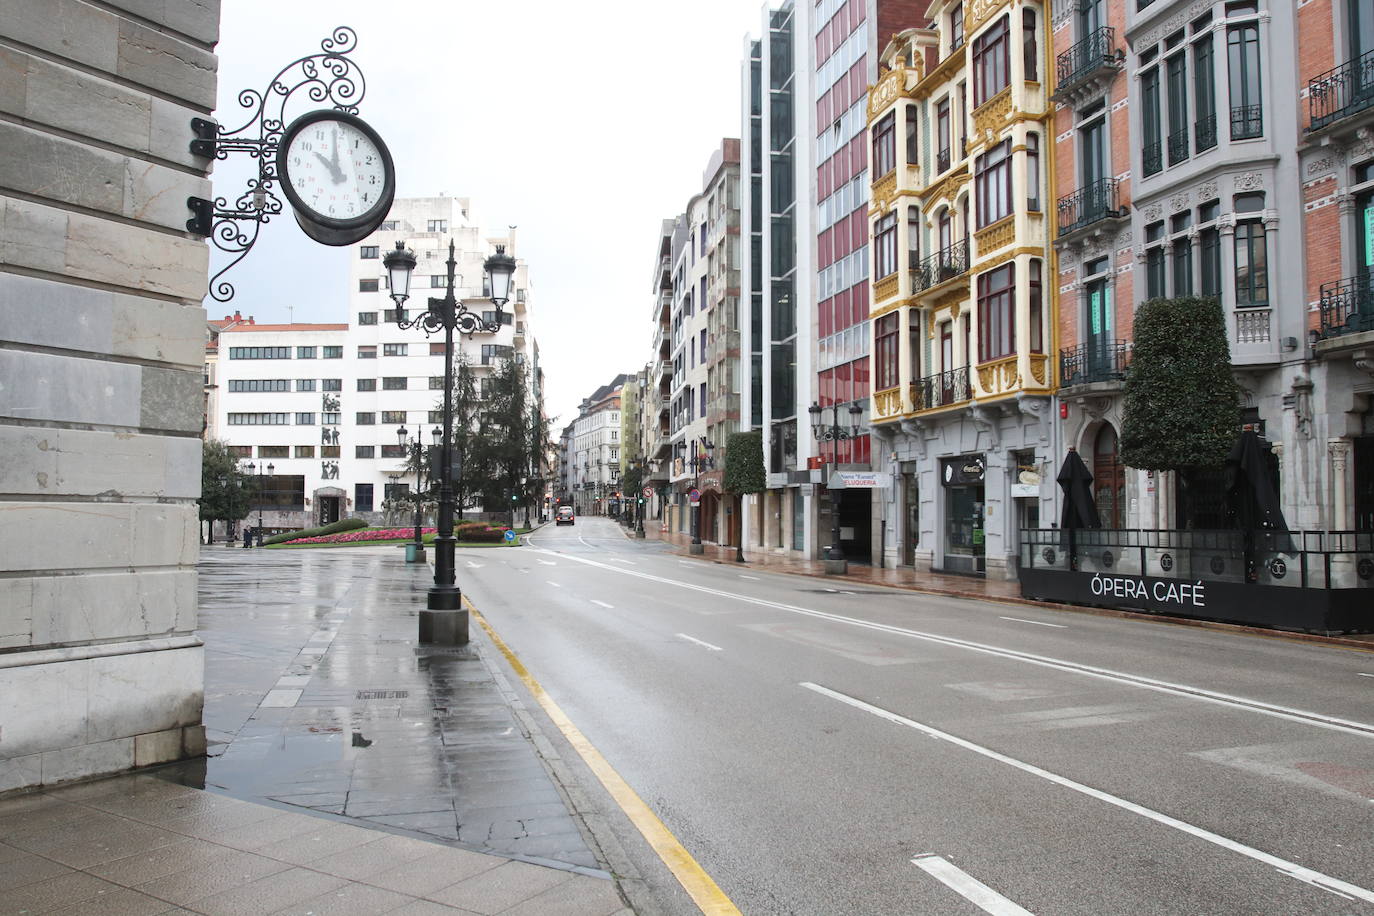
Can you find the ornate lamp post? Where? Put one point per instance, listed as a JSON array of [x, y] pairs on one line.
[[257, 471], [641, 465], [835, 434], [445, 621], [414, 450], [701, 458]]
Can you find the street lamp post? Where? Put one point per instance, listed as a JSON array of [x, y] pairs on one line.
[[699, 459], [641, 465], [835, 434], [444, 621], [257, 471], [413, 448]]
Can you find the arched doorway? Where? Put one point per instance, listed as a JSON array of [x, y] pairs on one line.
[[1109, 479]]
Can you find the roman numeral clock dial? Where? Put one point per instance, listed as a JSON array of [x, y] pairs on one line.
[[338, 175]]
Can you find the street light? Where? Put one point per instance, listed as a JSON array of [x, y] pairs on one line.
[[444, 621], [412, 447], [835, 434], [698, 460], [640, 464], [257, 471]]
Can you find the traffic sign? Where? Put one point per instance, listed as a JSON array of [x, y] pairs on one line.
[[510, 535], [694, 495], [648, 492]]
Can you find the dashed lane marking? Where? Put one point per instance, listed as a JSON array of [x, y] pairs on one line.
[[1038, 623], [967, 886], [698, 642]]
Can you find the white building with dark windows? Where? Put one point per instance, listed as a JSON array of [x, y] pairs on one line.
[[594, 475], [317, 407]]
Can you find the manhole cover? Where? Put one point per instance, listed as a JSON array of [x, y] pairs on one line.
[[381, 694]]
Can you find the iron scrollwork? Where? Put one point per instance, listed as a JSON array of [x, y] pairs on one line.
[[328, 77]]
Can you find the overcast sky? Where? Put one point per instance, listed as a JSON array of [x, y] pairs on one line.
[[584, 124]]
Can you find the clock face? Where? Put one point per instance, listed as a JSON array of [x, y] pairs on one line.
[[337, 173]]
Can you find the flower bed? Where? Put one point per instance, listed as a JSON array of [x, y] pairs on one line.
[[369, 534]]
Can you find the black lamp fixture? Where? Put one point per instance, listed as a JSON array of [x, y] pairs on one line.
[[257, 471], [444, 621], [413, 448]]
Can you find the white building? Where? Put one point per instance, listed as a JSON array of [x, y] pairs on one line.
[[595, 451], [320, 404]]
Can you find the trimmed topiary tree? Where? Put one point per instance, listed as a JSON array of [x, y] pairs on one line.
[[1182, 405], [744, 473]]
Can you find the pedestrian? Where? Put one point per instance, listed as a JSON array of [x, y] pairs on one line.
[[247, 536]]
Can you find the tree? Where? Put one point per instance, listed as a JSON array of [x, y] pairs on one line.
[[1181, 410], [466, 415], [499, 453], [224, 489], [744, 473]]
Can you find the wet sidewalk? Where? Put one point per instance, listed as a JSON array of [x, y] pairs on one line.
[[368, 774]]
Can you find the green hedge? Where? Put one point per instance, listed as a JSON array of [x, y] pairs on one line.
[[479, 532], [343, 524]]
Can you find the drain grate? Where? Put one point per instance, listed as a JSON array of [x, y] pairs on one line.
[[382, 695]]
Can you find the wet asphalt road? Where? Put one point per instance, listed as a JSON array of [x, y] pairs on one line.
[[806, 745]]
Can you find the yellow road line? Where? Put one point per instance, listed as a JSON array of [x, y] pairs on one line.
[[707, 895]]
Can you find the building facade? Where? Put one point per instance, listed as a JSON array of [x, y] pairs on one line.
[[595, 451], [316, 407]]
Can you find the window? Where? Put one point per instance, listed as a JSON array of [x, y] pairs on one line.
[[702, 345], [438, 281], [367, 285], [885, 246], [332, 352], [885, 144], [1037, 308], [367, 384], [1029, 52], [367, 318], [436, 383], [1182, 266], [942, 135], [393, 416], [305, 353], [274, 451], [329, 451], [305, 384], [1033, 172], [1154, 261], [394, 383], [1204, 94], [993, 184], [1209, 249], [1252, 265], [1177, 74], [369, 352], [991, 53], [305, 451], [394, 349], [1247, 112], [241, 451], [305, 419], [331, 384], [436, 349], [437, 225], [996, 313], [258, 419], [436, 416], [330, 419], [956, 27], [368, 252], [390, 315], [389, 225], [362, 492], [1152, 149], [885, 352], [913, 144], [260, 352], [366, 418], [259, 384]]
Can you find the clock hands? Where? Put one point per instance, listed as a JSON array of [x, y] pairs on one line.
[[334, 160], [334, 171]]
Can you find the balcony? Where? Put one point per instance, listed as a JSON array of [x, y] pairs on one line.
[[1247, 122], [1178, 146], [1087, 67], [940, 390], [1152, 158], [1096, 201], [945, 264], [1347, 307], [1337, 94], [1096, 361], [1205, 133]]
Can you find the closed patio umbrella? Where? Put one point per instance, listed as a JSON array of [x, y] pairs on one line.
[[1080, 511]]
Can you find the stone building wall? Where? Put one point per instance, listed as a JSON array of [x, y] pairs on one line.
[[101, 347]]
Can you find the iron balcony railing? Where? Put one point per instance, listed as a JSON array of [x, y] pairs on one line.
[[1085, 58], [1095, 361], [942, 161], [945, 264], [1205, 133], [941, 390], [1347, 306], [1097, 200], [1247, 122], [1339, 93], [1153, 158], [1178, 146]]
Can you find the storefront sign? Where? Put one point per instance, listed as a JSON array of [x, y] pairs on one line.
[[964, 471], [1024, 490], [858, 480]]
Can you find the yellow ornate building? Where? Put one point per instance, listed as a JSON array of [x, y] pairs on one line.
[[963, 280]]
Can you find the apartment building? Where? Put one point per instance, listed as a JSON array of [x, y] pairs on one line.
[[657, 399], [1328, 404], [960, 254], [595, 447], [320, 405]]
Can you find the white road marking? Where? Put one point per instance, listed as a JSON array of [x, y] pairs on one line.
[[743, 576], [472, 565], [603, 604], [293, 680], [1292, 869], [281, 699], [554, 584], [1301, 716], [584, 541], [1038, 623], [548, 562], [1365, 675], [967, 886], [622, 560], [698, 642]]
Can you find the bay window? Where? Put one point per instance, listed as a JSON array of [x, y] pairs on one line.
[[991, 69], [992, 184], [997, 313], [885, 352]]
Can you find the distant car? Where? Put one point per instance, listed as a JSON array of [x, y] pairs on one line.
[[565, 516]]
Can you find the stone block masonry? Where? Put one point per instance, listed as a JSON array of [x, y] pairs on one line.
[[101, 345]]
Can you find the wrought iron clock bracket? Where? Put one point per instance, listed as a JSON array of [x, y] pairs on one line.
[[328, 78]]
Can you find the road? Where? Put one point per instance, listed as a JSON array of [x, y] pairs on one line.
[[881, 751]]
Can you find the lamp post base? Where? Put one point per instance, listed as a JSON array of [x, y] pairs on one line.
[[696, 548], [444, 628], [639, 532], [838, 567]]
